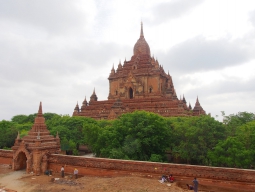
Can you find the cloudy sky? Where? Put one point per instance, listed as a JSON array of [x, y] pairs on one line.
[[58, 51]]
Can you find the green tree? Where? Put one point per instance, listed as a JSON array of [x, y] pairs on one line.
[[8, 133], [20, 119], [246, 134], [135, 136], [91, 136], [70, 128], [233, 121], [230, 153], [194, 136]]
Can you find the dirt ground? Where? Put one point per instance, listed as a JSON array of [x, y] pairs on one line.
[[11, 181]]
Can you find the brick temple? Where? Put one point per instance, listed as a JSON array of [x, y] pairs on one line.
[[138, 84], [33, 150]]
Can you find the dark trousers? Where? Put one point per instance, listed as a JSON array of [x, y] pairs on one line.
[[62, 173]]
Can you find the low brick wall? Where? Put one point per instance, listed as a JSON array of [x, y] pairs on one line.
[[86, 165], [6, 156]]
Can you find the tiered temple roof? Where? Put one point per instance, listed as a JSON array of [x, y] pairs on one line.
[[39, 136], [138, 84]]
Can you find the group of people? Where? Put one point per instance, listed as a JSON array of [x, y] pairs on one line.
[[164, 178], [167, 178], [170, 179], [194, 186], [75, 172]]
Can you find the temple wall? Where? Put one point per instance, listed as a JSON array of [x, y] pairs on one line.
[[6, 156], [95, 165], [154, 82]]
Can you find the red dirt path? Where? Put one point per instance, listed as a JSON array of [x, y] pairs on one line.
[[111, 181]]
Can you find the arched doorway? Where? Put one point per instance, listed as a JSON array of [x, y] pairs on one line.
[[130, 93], [21, 161]]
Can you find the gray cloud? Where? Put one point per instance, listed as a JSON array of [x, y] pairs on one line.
[[173, 9], [231, 95], [42, 62], [97, 54], [57, 75], [229, 103], [229, 86], [199, 54], [252, 18], [52, 51], [54, 16]]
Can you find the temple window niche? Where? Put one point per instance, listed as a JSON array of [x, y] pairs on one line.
[[131, 93], [150, 90], [116, 92]]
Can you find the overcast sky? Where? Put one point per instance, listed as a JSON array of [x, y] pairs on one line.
[[58, 51]]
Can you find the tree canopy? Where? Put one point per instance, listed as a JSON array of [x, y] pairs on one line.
[[146, 136]]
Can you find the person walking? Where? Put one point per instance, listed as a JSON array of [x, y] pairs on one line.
[[195, 185], [62, 171], [75, 173]]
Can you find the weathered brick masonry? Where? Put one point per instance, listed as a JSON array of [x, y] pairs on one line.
[[86, 164], [6, 156], [138, 84]]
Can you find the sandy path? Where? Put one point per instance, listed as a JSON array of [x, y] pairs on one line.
[[12, 181]]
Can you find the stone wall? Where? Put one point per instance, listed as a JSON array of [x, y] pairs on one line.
[[87, 165], [6, 156]]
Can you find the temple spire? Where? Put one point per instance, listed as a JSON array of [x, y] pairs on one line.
[[84, 103], [57, 136], [197, 102], [190, 106], [18, 136], [77, 108], [93, 97], [184, 100], [198, 109], [141, 34], [40, 110]]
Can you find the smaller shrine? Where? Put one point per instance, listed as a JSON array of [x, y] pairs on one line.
[[32, 151]]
